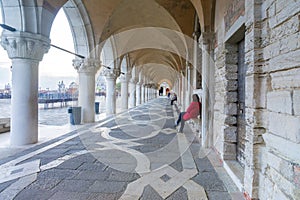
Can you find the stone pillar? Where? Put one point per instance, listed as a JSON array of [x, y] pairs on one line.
[[196, 67], [183, 92], [164, 91], [87, 69], [111, 77], [25, 50], [124, 92], [138, 93], [143, 93], [207, 78], [188, 86], [132, 93], [146, 93], [150, 93]]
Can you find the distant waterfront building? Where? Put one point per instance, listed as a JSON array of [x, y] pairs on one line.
[[101, 86], [6, 92]]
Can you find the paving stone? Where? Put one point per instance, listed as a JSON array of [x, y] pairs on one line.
[[116, 175], [69, 164], [218, 196], [34, 194], [74, 185], [141, 117], [64, 195], [5, 185], [97, 166], [177, 165], [92, 175], [103, 196], [85, 177], [45, 183], [210, 181], [150, 194], [87, 158], [108, 187], [57, 173], [180, 194], [204, 165], [121, 135]]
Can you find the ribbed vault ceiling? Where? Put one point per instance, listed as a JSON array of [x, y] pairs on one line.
[[117, 18]]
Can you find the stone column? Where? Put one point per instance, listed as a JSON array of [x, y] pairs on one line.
[[150, 93], [164, 91], [143, 93], [188, 86], [207, 78], [195, 60], [138, 93], [87, 69], [124, 92], [25, 50], [111, 77], [132, 93], [146, 92], [183, 93]]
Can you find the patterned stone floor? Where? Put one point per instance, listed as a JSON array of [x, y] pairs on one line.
[[134, 155]]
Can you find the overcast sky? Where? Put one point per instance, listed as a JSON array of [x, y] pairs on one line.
[[56, 64]]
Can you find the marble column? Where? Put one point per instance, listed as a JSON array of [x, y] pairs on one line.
[[164, 91], [146, 93], [111, 76], [124, 92], [87, 69], [132, 93], [183, 93], [188, 86], [195, 60], [142, 93], [25, 50], [207, 100], [138, 93]]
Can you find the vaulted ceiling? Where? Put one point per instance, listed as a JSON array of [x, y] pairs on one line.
[[153, 33]]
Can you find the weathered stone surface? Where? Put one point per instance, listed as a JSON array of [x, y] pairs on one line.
[[296, 102], [285, 126], [229, 148], [231, 68], [230, 134], [230, 120], [231, 109], [286, 79], [231, 85], [280, 101], [284, 167], [231, 76], [232, 97]]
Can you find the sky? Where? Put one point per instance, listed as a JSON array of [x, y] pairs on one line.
[[56, 64]]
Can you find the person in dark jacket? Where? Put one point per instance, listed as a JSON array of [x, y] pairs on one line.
[[192, 112]]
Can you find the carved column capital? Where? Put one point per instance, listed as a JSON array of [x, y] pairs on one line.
[[124, 78], [86, 65], [133, 80], [208, 38], [110, 73], [25, 45]]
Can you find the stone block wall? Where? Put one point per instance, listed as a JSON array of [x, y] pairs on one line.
[[280, 159], [272, 56]]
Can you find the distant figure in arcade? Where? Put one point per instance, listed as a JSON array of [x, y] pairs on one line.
[[174, 98], [192, 112]]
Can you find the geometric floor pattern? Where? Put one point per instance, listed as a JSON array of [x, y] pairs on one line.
[[136, 154]]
